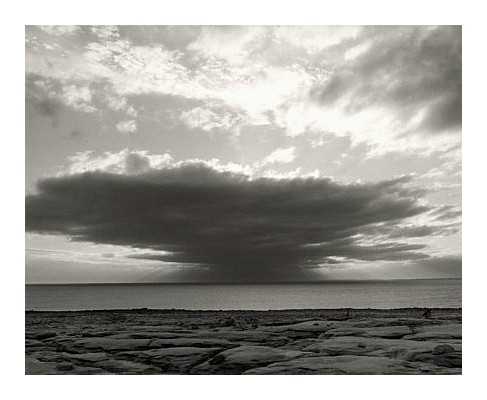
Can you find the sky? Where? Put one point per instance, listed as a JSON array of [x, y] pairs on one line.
[[242, 153]]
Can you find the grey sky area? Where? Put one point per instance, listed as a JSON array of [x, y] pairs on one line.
[[242, 153]]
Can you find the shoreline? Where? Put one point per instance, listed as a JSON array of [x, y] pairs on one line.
[[283, 310], [331, 281]]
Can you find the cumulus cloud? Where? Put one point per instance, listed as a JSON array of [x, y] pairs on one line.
[[227, 223]]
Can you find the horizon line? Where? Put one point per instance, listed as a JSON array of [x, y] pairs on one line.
[[235, 283]]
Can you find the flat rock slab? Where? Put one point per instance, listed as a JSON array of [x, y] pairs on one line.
[[126, 367], [339, 365], [111, 344], [307, 326], [254, 335], [245, 357], [87, 357], [383, 332], [153, 335], [173, 359], [192, 342], [409, 350], [378, 322], [437, 332]]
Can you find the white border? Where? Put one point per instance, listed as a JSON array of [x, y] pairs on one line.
[[18, 13]]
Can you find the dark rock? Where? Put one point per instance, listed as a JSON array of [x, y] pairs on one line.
[[443, 349], [230, 321], [449, 360], [64, 367], [241, 358], [127, 367], [86, 357], [44, 335]]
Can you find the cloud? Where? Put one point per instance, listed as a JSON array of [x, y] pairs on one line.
[[119, 103], [60, 30], [209, 119], [315, 39], [106, 32], [229, 224], [415, 72], [78, 97], [393, 88], [49, 97], [231, 43], [122, 162], [216, 67], [129, 126], [283, 155]]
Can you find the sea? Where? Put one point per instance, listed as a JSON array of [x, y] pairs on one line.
[[330, 294]]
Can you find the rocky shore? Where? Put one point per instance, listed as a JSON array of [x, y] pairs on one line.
[[345, 341]]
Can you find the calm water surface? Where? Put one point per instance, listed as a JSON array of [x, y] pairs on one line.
[[371, 294]]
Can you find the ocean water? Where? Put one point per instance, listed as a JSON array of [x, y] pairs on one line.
[[355, 294]]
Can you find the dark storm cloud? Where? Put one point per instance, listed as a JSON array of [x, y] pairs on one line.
[[235, 227], [405, 69]]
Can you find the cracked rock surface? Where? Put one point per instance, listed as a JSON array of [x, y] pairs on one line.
[[364, 341]]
